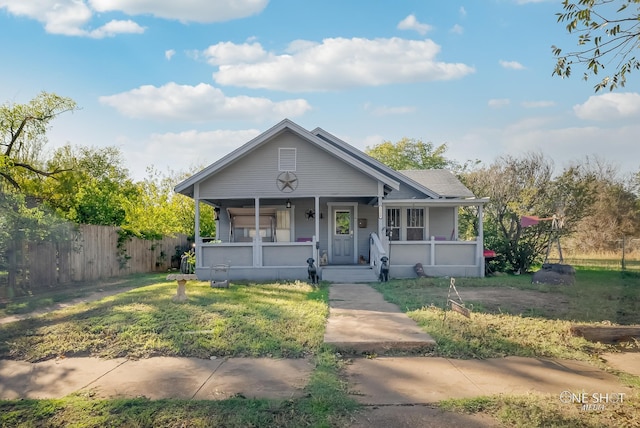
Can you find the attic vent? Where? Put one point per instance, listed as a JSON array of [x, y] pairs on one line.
[[286, 159]]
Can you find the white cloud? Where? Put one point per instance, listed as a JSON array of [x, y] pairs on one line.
[[462, 11], [186, 10], [512, 65], [388, 111], [73, 17], [199, 104], [334, 64], [457, 29], [609, 107], [113, 28], [411, 23], [230, 53], [547, 135], [499, 102], [188, 149], [169, 53], [537, 104]]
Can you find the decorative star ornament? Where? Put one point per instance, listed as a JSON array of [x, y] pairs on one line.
[[287, 182]]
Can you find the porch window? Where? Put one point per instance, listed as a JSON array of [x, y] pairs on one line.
[[243, 224], [283, 225], [415, 224], [393, 223]]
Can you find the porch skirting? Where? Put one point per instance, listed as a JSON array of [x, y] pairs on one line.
[[264, 273]]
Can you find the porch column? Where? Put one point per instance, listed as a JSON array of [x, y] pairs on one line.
[[316, 237], [196, 239], [481, 238], [380, 209], [257, 247]]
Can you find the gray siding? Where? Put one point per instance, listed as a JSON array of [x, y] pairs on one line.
[[318, 172], [441, 221], [405, 192]]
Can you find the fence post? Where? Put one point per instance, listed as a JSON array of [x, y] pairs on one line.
[[623, 245]]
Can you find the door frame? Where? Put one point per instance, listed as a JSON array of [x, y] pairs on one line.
[[354, 223]]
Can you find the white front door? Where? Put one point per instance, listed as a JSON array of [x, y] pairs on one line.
[[342, 240]]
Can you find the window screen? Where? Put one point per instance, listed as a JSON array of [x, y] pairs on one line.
[[415, 224], [393, 223]]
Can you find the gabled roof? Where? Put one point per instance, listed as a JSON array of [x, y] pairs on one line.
[[374, 163], [440, 180], [186, 187]]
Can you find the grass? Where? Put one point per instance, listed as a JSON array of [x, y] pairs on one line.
[[504, 325], [325, 404], [507, 322], [537, 410], [287, 320], [275, 320], [48, 300]]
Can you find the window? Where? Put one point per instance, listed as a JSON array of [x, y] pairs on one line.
[[283, 225], [415, 224], [286, 159], [393, 223]]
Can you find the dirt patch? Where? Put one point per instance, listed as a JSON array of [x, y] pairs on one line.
[[515, 301]]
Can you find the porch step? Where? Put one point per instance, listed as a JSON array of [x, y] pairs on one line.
[[348, 274]]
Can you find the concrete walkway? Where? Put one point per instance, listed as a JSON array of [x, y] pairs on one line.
[[399, 391], [361, 321]]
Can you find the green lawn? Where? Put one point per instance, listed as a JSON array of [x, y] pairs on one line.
[[288, 319], [276, 320], [503, 323]]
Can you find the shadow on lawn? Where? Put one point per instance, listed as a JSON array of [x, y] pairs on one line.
[[260, 320]]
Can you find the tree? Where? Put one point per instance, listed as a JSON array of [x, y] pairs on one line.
[[614, 211], [91, 187], [23, 130], [517, 187], [23, 221], [410, 153], [160, 210], [608, 33]]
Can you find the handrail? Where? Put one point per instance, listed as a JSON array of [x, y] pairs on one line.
[[377, 252]]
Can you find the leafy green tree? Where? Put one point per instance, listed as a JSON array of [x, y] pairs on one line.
[[160, 210], [92, 187], [516, 187], [23, 129], [410, 153], [608, 34]]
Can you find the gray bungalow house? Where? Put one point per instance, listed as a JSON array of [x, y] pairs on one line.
[[291, 194]]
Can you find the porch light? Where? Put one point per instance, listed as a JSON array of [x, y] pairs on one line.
[[288, 204]]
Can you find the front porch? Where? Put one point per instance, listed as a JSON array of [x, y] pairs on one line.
[[287, 260]]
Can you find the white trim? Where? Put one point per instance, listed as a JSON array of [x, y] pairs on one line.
[[353, 161], [427, 202]]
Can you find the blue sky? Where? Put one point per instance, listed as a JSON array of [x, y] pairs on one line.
[[180, 84]]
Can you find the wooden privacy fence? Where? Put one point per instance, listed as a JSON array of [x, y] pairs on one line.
[[94, 252]]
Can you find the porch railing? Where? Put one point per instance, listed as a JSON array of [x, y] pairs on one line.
[[255, 254], [377, 252], [438, 257]]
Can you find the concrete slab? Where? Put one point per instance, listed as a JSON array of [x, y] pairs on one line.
[[628, 362], [155, 378], [51, 379], [520, 375], [258, 378], [361, 321], [423, 380]]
